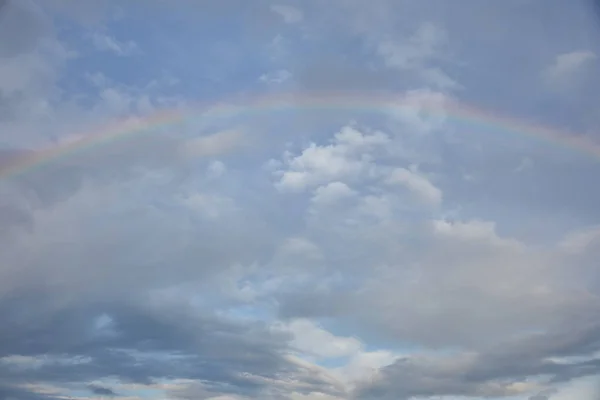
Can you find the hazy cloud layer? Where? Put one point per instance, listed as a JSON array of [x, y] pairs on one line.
[[280, 200]]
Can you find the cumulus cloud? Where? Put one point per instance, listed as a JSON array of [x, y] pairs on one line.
[[331, 193], [566, 66], [347, 157], [417, 184]]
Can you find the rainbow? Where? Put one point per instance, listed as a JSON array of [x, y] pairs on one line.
[[272, 103]]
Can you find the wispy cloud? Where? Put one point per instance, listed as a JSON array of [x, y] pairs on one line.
[[567, 66], [290, 14], [104, 42]]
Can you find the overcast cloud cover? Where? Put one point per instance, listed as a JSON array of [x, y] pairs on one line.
[[299, 253]]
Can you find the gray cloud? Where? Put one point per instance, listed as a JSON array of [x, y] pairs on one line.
[[24, 23], [10, 392], [543, 395], [132, 261], [102, 391], [495, 373], [138, 343]]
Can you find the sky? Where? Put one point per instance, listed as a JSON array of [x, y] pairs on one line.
[[299, 200]]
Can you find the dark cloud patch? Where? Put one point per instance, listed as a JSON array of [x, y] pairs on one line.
[[14, 393], [139, 343], [543, 395], [487, 373], [102, 391], [594, 7], [23, 23]]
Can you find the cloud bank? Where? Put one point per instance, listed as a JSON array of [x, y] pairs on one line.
[[390, 251]]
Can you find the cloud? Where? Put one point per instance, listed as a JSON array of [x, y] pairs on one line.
[[26, 22], [493, 373], [213, 144], [501, 354], [276, 77], [291, 15], [119, 356], [346, 157], [102, 391], [216, 169], [329, 248], [415, 53], [417, 184], [580, 388], [567, 66], [543, 395], [332, 193], [311, 339], [103, 42], [419, 47]]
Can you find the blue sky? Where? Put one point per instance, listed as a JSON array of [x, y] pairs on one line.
[[300, 253]]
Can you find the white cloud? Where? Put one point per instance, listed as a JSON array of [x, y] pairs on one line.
[[276, 77], [475, 230], [582, 240], [449, 267], [347, 157], [418, 184], [216, 169], [421, 46], [331, 193], [358, 365], [299, 247], [417, 52], [210, 205], [213, 144], [104, 42], [421, 110], [379, 207], [291, 15], [439, 79], [115, 101], [525, 165], [584, 388], [364, 366], [566, 66], [313, 396], [28, 85], [314, 340]]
